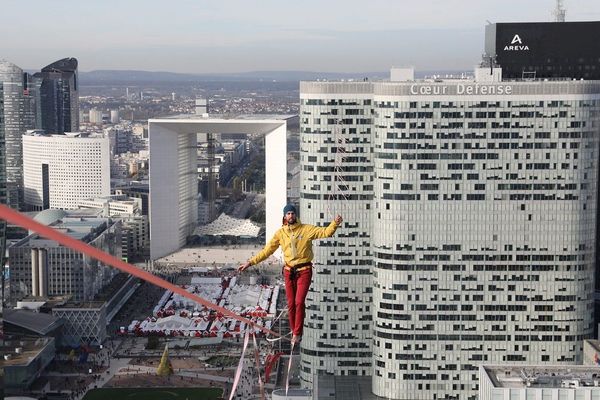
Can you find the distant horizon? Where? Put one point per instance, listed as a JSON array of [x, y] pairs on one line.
[[30, 70], [194, 37], [140, 76]]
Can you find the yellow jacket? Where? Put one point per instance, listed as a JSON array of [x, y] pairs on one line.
[[296, 242]]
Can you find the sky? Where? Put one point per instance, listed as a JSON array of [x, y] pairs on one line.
[[196, 36]]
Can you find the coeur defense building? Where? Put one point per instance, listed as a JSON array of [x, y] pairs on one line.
[[470, 210]]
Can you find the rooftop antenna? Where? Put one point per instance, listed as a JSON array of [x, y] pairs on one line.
[[559, 12]]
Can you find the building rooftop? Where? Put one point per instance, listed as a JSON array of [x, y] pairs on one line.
[[65, 136], [39, 323], [50, 216], [429, 88], [114, 204], [245, 117], [23, 351], [82, 225], [94, 305], [123, 198], [521, 376]]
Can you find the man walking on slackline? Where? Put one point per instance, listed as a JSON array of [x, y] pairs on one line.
[[295, 239]]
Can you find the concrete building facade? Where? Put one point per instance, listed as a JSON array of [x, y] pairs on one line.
[[62, 170], [525, 382], [478, 239], [135, 233], [173, 173], [3, 194], [42, 268], [337, 178]]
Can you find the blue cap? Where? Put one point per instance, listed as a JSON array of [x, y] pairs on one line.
[[288, 208]]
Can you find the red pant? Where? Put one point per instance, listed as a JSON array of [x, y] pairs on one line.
[[296, 291]]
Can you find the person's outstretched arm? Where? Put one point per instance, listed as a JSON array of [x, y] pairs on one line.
[[317, 232], [263, 254]]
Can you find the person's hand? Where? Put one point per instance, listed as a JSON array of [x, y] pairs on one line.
[[244, 266], [338, 220]]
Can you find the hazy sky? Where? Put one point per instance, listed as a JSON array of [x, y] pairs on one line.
[[244, 35]]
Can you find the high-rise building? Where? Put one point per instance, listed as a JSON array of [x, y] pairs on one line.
[[3, 198], [338, 339], [61, 170], [60, 96], [95, 116], [33, 95], [114, 117], [470, 218], [17, 119]]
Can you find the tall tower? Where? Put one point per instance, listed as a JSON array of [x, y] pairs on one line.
[[472, 212], [60, 96], [338, 337], [17, 119], [3, 198]]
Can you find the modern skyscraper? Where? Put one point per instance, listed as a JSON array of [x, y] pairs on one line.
[[61, 170], [60, 96], [480, 235], [33, 95], [17, 119], [3, 198], [337, 178]]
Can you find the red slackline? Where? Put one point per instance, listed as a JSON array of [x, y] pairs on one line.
[[14, 217]]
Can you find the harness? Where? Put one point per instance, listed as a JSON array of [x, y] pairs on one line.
[[294, 270]]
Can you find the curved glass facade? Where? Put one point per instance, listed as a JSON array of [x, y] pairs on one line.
[[15, 125], [60, 96]]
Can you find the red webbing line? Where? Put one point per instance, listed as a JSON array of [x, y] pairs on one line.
[[238, 371], [14, 217], [289, 368], [261, 384]]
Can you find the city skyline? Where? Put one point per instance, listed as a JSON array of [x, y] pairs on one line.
[[467, 261], [194, 37]]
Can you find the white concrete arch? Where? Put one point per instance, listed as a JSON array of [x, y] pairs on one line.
[[173, 174]]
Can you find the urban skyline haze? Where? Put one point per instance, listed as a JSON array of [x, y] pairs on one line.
[[237, 36]]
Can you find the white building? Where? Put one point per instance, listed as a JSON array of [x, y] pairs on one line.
[[173, 173], [114, 117], [469, 228], [524, 382], [114, 205], [135, 235], [61, 170], [95, 116]]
